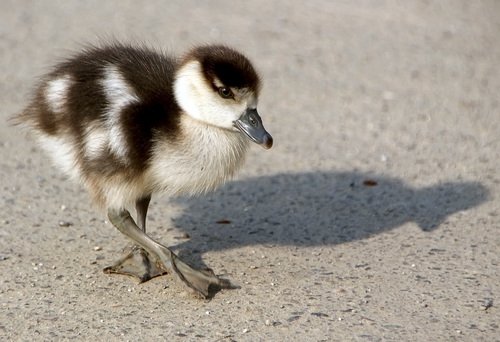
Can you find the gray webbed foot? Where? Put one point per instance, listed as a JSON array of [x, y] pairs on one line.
[[137, 263], [204, 283]]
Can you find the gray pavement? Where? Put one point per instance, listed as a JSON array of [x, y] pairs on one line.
[[375, 217]]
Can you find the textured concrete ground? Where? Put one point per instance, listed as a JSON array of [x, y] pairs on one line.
[[374, 218]]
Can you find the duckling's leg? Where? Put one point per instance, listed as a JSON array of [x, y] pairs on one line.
[[141, 207], [205, 283], [137, 262]]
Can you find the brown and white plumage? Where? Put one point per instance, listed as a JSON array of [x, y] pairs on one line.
[[129, 122]]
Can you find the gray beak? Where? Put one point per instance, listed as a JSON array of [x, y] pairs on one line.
[[251, 125]]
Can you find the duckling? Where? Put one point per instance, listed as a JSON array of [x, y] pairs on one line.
[[129, 121]]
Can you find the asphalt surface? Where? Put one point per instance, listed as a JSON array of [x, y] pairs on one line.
[[375, 217]]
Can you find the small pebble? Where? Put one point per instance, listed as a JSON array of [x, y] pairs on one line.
[[370, 182], [245, 330], [65, 224], [270, 323], [97, 248], [487, 303]]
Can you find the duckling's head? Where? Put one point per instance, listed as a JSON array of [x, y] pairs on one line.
[[219, 86]]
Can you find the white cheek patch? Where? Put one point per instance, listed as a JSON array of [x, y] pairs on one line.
[[56, 93], [197, 98], [119, 95], [186, 87]]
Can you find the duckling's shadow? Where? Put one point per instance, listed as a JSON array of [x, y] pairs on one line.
[[316, 208]]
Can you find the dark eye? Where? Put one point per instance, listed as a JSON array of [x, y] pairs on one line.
[[225, 93]]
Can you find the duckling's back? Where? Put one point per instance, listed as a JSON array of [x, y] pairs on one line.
[[99, 110]]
